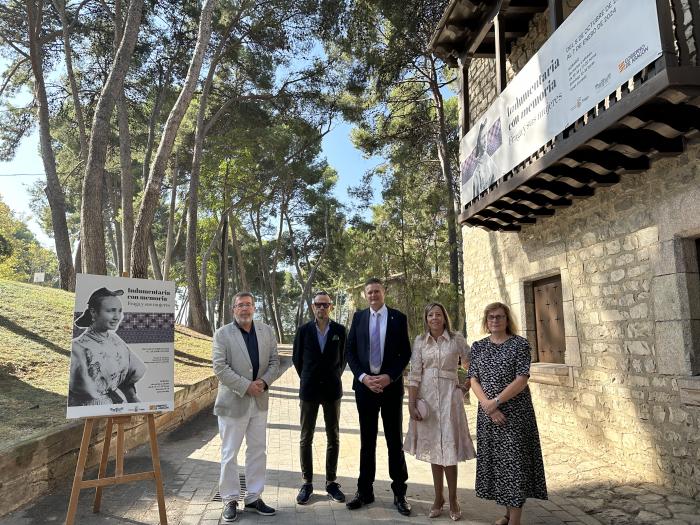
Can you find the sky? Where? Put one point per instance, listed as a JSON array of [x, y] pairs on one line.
[[337, 147]]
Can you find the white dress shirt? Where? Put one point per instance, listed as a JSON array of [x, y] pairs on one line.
[[383, 318]]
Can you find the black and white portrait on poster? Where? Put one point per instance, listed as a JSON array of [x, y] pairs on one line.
[[122, 352], [479, 170]]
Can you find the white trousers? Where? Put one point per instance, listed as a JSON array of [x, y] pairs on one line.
[[252, 426]]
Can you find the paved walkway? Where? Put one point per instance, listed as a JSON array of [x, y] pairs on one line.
[[189, 459]]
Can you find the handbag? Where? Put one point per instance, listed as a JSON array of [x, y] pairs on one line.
[[422, 408]]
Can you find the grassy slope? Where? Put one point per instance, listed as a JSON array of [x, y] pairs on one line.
[[35, 334]]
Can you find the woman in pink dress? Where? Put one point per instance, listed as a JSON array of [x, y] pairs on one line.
[[439, 435]]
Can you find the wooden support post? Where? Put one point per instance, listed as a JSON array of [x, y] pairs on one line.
[[119, 477], [155, 458], [500, 40], [79, 469], [103, 464], [556, 14]]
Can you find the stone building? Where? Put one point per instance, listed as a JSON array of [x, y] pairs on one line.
[[593, 238]]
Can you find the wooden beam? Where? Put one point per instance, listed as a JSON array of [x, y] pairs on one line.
[[641, 141], [556, 15], [607, 159], [537, 199], [583, 175], [484, 25], [559, 188], [527, 6], [681, 117]]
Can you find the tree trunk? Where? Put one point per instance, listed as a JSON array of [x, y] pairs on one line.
[[181, 311], [268, 305], [273, 272], [91, 224], [182, 226], [223, 253], [196, 304], [443, 155], [111, 205], [240, 263], [54, 191], [223, 271], [77, 260], [203, 278], [127, 181], [153, 255], [308, 284], [60, 6], [110, 234], [153, 120], [152, 191], [171, 225]]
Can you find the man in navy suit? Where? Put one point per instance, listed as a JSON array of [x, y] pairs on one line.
[[318, 355], [378, 350]]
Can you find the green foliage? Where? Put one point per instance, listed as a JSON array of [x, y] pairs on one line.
[[20, 253], [288, 70]]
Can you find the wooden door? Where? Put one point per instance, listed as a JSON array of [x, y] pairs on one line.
[[549, 316]]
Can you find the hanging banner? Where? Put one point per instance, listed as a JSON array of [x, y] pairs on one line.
[[600, 46], [122, 353]]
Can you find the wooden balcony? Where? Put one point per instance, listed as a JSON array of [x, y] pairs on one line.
[[655, 114]]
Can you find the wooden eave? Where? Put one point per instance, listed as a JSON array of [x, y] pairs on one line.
[[653, 116], [466, 27]]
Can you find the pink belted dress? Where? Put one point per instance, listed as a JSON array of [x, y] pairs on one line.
[[442, 438]]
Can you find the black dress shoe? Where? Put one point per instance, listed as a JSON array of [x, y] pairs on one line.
[[305, 493], [334, 492], [359, 500], [230, 512], [403, 506], [260, 507]]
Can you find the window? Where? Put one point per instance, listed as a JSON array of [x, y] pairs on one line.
[[549, 320]]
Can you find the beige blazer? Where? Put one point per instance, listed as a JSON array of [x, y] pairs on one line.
[[234, 369]]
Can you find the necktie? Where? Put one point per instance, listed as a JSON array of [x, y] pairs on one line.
[[375, 345]]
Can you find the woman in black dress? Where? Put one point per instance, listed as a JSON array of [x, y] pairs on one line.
[[509, 467]]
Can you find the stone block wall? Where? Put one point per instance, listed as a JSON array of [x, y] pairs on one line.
[[629, 390], [628, 261]]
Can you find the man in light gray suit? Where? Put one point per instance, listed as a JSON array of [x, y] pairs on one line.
[[245, 360]]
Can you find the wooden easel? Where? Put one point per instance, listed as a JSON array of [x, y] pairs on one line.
[[119, 476]]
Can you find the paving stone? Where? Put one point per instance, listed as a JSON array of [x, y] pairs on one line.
[[648, 517], [691, 519], [583, 490], [627, 490], [649, 498], [677, 498], [615, 517], [589, 504], [682, 508], [659, 508]]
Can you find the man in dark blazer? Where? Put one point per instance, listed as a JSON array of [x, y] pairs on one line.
[[378, 350], [319, 357]]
